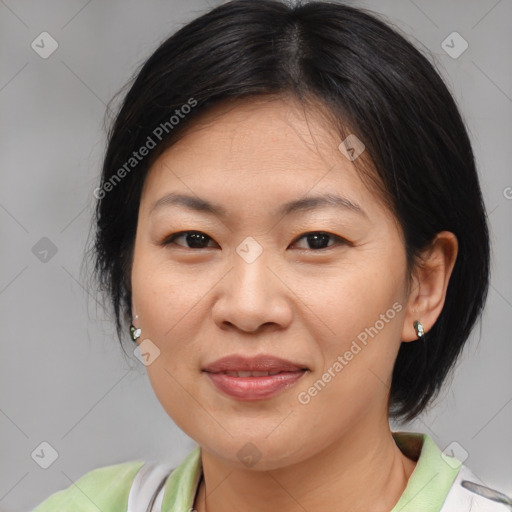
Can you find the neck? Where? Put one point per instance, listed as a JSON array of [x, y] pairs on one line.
[[363, 470]]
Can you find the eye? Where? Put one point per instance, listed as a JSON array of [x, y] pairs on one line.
[[195, 239], [200, 240], [318, 240]]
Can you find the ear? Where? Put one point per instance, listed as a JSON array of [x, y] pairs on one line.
[[429, 284]]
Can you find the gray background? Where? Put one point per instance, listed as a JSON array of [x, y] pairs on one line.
[[64, 378]]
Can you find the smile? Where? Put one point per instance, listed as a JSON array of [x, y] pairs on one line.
[[257, 385]]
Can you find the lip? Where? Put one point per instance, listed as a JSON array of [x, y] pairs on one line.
[[253, 388], [263, 363]]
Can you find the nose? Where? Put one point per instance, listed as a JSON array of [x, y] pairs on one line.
[[252, 297]]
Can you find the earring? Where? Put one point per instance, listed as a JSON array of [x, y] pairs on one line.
[[418, 326], [134, 332]]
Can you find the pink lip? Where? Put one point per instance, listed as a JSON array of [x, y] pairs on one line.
[[253, 388], [265, 363]]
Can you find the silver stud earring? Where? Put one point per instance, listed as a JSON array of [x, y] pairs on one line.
[[418, 326], [135, 331]]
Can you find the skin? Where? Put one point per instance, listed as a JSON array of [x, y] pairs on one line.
[[294, 301]]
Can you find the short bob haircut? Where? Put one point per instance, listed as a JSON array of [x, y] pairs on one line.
[[373, 83]]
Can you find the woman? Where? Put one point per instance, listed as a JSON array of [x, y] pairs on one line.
[[290, 225]]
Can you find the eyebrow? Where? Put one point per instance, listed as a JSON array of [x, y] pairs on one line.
[[299, 205]]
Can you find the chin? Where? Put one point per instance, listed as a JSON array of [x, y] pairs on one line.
[[256, 453]]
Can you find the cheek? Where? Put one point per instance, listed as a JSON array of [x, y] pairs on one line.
[[360, 320], [357, 361], [165, 295], [352, 299], [168, 302]]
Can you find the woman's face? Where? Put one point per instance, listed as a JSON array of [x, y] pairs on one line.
[[252, 284]]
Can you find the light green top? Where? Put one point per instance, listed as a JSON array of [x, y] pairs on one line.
[[106, 489]]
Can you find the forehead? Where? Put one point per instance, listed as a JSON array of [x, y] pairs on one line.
[[263, 149], [275, 128]]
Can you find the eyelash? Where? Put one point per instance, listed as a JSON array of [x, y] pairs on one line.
[[337, 239]]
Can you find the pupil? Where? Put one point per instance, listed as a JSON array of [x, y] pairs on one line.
[[318, 240], [195, 240]]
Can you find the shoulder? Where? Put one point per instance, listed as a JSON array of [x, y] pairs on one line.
[[468, 493], [106, 488]]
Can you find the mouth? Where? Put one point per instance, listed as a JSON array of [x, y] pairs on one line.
[[252, 379], [251, 374], [263, 363]]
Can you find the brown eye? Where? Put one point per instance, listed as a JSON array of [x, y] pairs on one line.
[[194, 239], [319, 240]]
